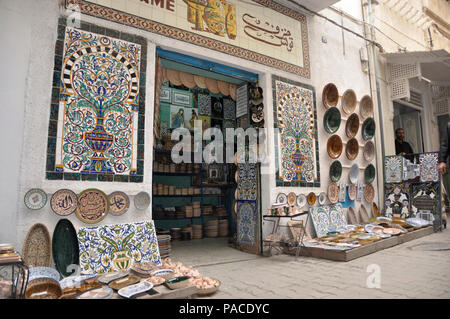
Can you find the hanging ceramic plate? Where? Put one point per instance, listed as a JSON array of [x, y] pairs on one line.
[[233, 91], [352, 149], [37, 249], [369, 193], [334, 146], [173, 76], [65, 247], [64, 202], [349, 101], [292, 198], [335, 171], [200, 81], [366, 107], [224, 87], [333, 192], [351, 216], [142, 200], [369, 174], [353, 174], [187, 79], [311, 199], [375, 210], [211, 85], [369, 151], [99, 293], [322, 198], [301, 200], [352, 125], [368, 129], [119, 202], [352, 190], [330, 95], [332, 120], [93, 206], [282, 198], [35, 198]]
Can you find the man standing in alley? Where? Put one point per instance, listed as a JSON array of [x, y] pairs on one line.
[[444, 150], [401, 146]]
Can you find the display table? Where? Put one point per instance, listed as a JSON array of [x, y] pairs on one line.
[[350, 254]]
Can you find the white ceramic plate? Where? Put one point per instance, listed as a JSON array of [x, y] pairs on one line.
[[133, 290], [142, 200], [74, 280], [282, 198], [301, 200], [353, 174], [35, 198]]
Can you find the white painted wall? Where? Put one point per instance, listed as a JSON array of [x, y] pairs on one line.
[[328, 64]]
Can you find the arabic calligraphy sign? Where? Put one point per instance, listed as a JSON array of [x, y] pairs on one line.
[[257, 30]]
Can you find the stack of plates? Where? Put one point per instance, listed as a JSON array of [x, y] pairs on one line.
[[8, 254], [175, 233], [180, 214], [207, 210], [197, 232], [164, 245], [223, 228], [212, 228], [221, 211]]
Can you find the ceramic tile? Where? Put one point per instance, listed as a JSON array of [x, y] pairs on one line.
[[393, 169], [428, 167], [247, 217], [247, 182], [397, 200], [424, 197], [327, 218]]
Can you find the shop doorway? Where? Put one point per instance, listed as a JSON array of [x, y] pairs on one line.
[[196, 200], [409, 118]]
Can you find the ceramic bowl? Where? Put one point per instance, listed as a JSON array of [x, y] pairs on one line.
[[142, 200], [332, 120], [136, 289], [366, 107], [292, 198], [334, 146], [330, 95], [178, 282], [301, 200], [353, 174], [352, 149], [333, 192], [322, 198], [349, 101], [369, 174], [43, 288], [369, 151], [369, 193], [311, 199], [352, 125], [282, 198], [335, 171], [368, 129]]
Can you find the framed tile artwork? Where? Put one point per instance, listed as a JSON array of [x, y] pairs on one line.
[[397, 200], [425, 197], [181, 97], [247, 222], [204, 104], [428, 167], [96, 130], [166, 95], [247, 184], [327, 218], [116, 247], [296, 142], [393, 169]]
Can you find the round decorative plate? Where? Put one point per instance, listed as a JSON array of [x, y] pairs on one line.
[[352, 125], [335, 171], [366, 107], [142, 200], [332, 120], [349, 101], [119, 202], [368, 129], [369, 174], [353, 174], [334, 146], [352, 149], [64, 202], [322, 198], [369, 151], [301, 200], [35, 198], [311, 198], [352, 191], [333, 192], [292, 198], [93, 206], [282, 198], [369, 193], [330, 95]]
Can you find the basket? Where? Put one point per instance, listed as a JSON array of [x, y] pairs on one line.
[[43, 288], [178, 282], [208, 291]]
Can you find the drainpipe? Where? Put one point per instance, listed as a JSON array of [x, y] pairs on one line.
[[377, 86]]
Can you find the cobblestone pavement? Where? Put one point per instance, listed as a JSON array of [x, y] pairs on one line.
[[409, 270]]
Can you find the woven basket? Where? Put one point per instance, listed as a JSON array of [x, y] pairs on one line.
[[204, 292]]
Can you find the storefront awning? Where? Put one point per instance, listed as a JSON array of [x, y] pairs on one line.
[[433, 65]]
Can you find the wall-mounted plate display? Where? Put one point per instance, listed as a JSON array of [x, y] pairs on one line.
[[64, 202], [35, 199], [292, 198], [119, 202], [353, 174], [311, 198], [332, 120], [352, 125], [335, 171], [369, 174], [369, 151], [366, 107], [352, 191], [142, 200], [322, 198], [93, 206], [334, 146], [282, 198], [349, 101], [65, 247], [352, 149], [368, 129], [333, 192], [301, 200], [330, 95], [369, 193], [37, 249]]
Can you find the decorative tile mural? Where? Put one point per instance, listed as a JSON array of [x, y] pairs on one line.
[[397, 200], [204, 104], [428, 167], [229, 109], [424, 197], [247, 222], [327, 218], [247, 183], [297, 156], [97, 119], [115, 247], [393, 169]]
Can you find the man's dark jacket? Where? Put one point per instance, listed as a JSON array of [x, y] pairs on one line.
[[444, 151]]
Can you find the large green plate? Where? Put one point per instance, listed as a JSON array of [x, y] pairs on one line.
[[335, 171], [65, 247], [369, 174], [368, 128], [332, 120]]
